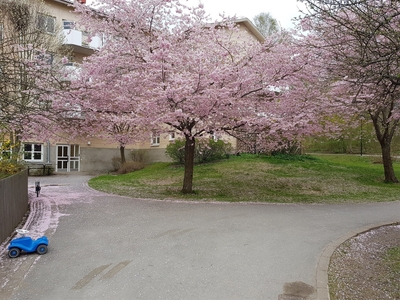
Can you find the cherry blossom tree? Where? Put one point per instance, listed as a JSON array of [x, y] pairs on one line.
[[356, 42], [167, 67]]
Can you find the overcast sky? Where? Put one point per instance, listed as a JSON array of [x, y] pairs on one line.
[[282, 10]]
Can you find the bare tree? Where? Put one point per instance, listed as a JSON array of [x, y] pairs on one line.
[[30, 64]]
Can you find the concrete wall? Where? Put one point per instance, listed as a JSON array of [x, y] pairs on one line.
[[99, 160]]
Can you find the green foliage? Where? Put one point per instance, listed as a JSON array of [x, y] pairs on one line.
[[176, 151], [207, 150], [292, 157], [8, 168], [266, 24], [351, 141], [210, 150]]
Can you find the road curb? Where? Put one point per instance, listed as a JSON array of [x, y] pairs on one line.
[[322, 290]]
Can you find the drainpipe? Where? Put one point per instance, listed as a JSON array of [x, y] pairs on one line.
[[48, 152]]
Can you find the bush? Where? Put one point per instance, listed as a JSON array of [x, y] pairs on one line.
[[8, 168], [116, 163], [210, 150], [138, 155], [206, 151], [130, 166], [176, 151]]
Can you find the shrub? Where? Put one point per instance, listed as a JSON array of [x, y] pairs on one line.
[[176, 151], [130, 166], [210, 150], [8, 168], [116, 163], [207, 150], [138, 155]]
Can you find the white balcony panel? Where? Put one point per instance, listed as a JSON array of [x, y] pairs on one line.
[[73, 37], [81, 42], [96, 42]]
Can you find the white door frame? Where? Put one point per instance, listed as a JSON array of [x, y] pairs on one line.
[[67, 158]]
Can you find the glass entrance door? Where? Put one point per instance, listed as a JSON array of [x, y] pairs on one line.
[[74, 158], [68, 158]]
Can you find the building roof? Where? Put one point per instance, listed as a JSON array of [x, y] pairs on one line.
[[66, 2], [252, 28]]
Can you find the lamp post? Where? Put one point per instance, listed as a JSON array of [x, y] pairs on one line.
[[361, 137]]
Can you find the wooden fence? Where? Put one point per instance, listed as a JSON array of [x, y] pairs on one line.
[[13, 202]]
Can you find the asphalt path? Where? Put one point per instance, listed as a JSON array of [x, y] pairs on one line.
[[110, 247]]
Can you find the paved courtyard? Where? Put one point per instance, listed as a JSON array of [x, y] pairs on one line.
[[110, 247]]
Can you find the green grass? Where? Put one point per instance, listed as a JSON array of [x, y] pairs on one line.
[[253, 178]]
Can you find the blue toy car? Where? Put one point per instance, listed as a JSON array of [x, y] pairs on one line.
[[27, 244]]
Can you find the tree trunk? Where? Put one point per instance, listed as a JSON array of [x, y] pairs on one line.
[[122, 152], [384, 133], [189, 164], [387, 163]]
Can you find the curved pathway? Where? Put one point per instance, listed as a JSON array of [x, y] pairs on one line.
[[110, 247]]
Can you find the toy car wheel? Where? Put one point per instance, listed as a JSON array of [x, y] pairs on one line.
[[41, 249], [14, 252]]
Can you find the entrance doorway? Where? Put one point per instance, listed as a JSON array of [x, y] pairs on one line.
[[68, 158]]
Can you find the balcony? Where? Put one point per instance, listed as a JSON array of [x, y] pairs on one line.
[[79, 40]]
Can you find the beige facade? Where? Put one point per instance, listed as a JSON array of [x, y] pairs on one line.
[[94, 154]]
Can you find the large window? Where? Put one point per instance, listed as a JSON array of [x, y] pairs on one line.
[[33, 152], [46, 23]]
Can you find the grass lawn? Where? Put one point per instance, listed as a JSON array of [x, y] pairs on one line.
[[257, 178]]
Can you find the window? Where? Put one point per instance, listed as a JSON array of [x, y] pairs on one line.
[[68, 24], [1, 32], [33, 152], [172, 136], [155, 139], [71, 60], [46, 23], [45, 58]]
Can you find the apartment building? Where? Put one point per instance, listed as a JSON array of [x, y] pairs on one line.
[[94, 154]]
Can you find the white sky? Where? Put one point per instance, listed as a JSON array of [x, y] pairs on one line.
[[282, 10]]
